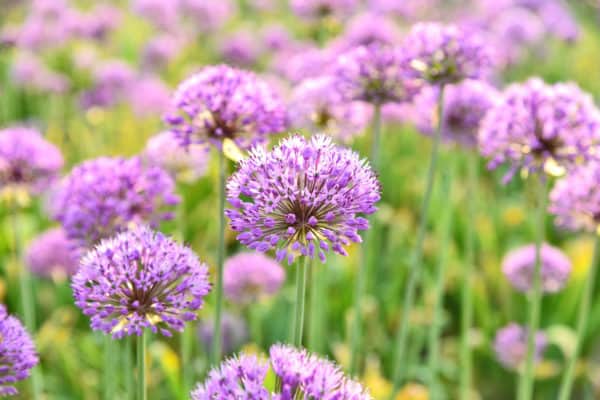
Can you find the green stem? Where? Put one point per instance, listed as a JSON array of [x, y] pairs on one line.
[[129, 367], [216, 350], [361, 277], [316, 306], [187, 338], [141, 366], [467, 291], [109, 367], [415, 265], [438, 302], [582, 322], [535, 296], [301, 272]]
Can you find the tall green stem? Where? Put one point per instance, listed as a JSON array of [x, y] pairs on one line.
[[415, 265], [582, 321], [216, 350], [301, 272], [187, 338], [317, 275], [361, 276], [535, 295], [129, 368], [110, 365], [438, 302], [141, 366], [467, 292]]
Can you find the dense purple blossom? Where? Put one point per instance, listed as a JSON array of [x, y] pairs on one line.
[[186, 165], [510, 345], [234, 332], [52, 255], [103, 196], [27, 160], [519, 265], [537, 127], [304, 197], [17, 353], [140, 279], [249, 277], [299, 375], [315, 9], [221, 102]]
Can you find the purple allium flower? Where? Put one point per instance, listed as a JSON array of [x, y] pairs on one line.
[[17, 353], [249, 277], [302, 63], [510, 345], [299, 375], [160, 50], [29, 71], [234, 332], [276, 37], [104, 196], [519, 265], [316, 105], [149, 96], [367, 29], [140, 279], [447, 53], [162, 14], [465, 105], [52, 255], [536, 127], [222, 102], [187, 164], [112, 83], [208, 16], [301, 198], [96, 24], [376, 74], [27, 160], [241, 48], [316, 9], [575, 199]]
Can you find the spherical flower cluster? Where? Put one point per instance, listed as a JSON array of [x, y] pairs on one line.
[[299, 375], [249, 277], [465, 105], [316, 9], [27, 160], [519, 266], [234, 332], [301, 198], [510, 345], [221, 102], [376, 74], [104, 196], [575, 199], [17, 353], [316, 105], [183, 164], [52, 255], [446, 53], [367, 29], [537, 127], [140, 279]]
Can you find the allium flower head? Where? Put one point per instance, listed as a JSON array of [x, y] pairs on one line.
[[221, 102], [316, 9], [510, 345], [376, 74], [241, 48], [27, 160], [52, 255], [537, 127], [299, 373], [208, 16], [519, 266], [17, 353], [367, 29], [249, 277], [149, 96], [446, 53], [104, 196], [234, 332], [303, 197], [140, 279], [183, 164]]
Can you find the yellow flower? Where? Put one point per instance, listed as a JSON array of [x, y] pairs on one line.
[[513, 215]]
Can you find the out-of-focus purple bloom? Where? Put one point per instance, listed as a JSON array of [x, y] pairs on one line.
[[234, 333], [29, 72], [17, 353], [160, 50], [447, 53], [208, 16], [149, 96], [465, 105], [104, 196], [44, 25], [221, 102], [302, 198], [298, 373], [519, 265], [162, 14], [52, 255], [140, 279], [96, 24], [407, 9], [27, 160], [241, 48], [185, 164], [376, 74], [537, 127], [510, 346], [112, 83], [316, 105], [249, 277], [276, 37], [301, 63], [367, 29], [317, 9]]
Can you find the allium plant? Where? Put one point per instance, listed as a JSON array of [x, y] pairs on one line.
[[17, 353], [140, 279], [299, 375], [249, 277], [183, 164], [52, 255], [510, 346], [221, 102]]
